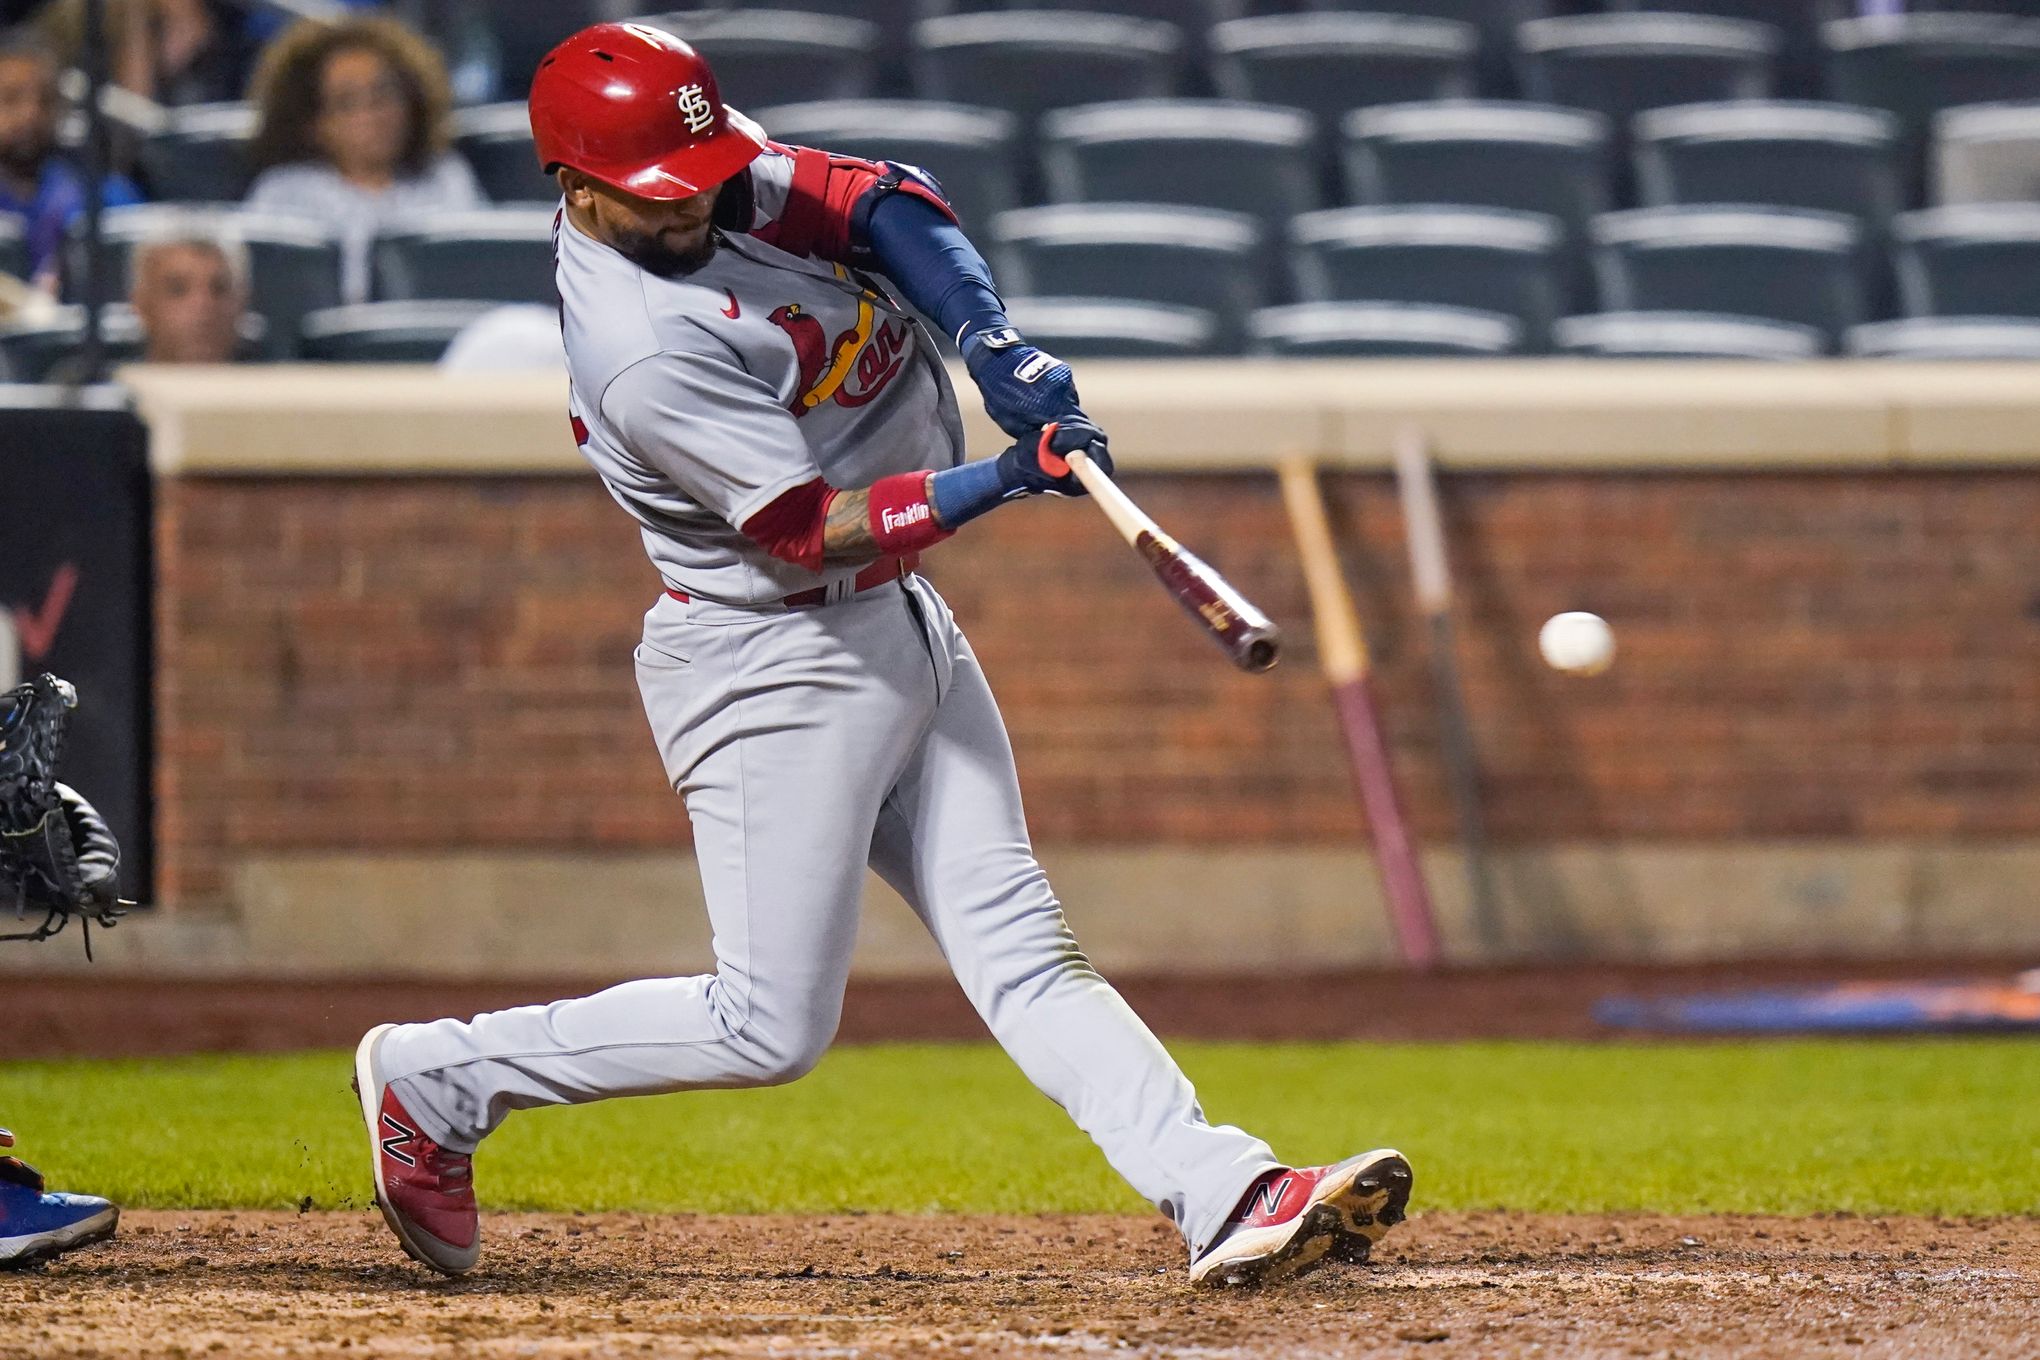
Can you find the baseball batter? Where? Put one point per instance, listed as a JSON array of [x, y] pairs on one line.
[[751, 382]]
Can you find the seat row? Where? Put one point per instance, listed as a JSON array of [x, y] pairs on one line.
[[1030, 63], [485, 258], [1093, 327], [1802, 268], [1808, 269], [37, 350], [1265, 159], [1261, 157], [1148, 47], [1090, 328]]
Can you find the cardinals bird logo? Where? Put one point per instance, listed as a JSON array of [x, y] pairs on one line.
[[823, 364], [853, 368]]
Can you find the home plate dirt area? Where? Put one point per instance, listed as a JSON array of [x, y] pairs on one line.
[[183, 1284]]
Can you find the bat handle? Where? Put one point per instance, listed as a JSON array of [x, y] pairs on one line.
[[1129, 519], [1088, 472]]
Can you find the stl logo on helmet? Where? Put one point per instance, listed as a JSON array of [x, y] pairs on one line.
[[696, 109]]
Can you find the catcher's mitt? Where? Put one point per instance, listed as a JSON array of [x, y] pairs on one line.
[[14, 1171], [56, 854]]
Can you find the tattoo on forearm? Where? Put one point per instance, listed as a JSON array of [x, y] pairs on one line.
[[847, 532]]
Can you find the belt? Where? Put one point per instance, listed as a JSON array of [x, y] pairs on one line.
[[882, 572]]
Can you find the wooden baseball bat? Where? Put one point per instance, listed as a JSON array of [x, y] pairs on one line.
[[1244, 632], [1431, 573], [1342, 651]]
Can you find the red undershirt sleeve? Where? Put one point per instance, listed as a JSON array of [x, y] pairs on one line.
[[793, 525], [790, 527]]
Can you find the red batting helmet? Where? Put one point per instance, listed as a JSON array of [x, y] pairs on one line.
[[638, 109]]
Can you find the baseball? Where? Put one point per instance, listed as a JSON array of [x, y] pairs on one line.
[[1577, 643]]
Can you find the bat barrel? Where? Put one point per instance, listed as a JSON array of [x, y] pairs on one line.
[[1246, 635]]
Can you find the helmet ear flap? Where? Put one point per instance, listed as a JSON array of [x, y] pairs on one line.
[[735, 206]]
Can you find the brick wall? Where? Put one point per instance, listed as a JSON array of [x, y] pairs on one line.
[[383, 664]]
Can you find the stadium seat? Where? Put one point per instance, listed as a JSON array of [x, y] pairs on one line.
[[1790, 15], [1485, 258], [1496, 20], [1987, 153], [1031, 63], [294, 263], [895, 20], [1497, 154], [1190, 257], [1382, 329], [1091, 328], [1685, 335], [497, 255], [13, 248], [200, 155], [512, 36], [1530, 157], [1915, 65], [1948, 337], [1799, 64], [1831, 157], [1981, 259], [1331, 64], [1252, 158], [1780, 265], [1622, 64], [388, 332], [1192, 14], [972, 152], [31, 348], [778, 56], [2024, 8], [496, 140]]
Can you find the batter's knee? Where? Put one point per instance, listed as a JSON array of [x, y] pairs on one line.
[[788, 1051]]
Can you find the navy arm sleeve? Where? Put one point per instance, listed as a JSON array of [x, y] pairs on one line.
[[934, 265]]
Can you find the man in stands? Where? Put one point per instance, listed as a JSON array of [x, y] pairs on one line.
[[190, 299], [45, 191], [191, 295]]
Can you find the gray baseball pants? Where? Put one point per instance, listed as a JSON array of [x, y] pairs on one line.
[[807, 744]]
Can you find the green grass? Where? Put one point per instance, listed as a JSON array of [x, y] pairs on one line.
[[1931, 1127]]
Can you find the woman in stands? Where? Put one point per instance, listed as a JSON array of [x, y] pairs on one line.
[[354, 131]]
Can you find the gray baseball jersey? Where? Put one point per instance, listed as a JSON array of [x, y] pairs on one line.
[[705, 397], [809, 742]]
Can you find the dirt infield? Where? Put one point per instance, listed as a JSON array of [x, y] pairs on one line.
[[113, 1016], [1445, 1285]]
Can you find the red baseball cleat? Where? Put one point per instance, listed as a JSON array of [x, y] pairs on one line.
[[426, 1192], [1292, 1221]]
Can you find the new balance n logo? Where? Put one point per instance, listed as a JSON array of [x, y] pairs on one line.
[[399, 1138], [1266, 1199]]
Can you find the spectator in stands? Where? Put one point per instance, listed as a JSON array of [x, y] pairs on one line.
[[190, 298], [355, 125], [191, 295], [171, 51], [42, 188]]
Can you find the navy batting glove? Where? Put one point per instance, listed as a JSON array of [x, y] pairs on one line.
[[1035, 465], [1024, 388]]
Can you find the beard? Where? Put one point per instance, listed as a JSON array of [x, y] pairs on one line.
[[651, 253]]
